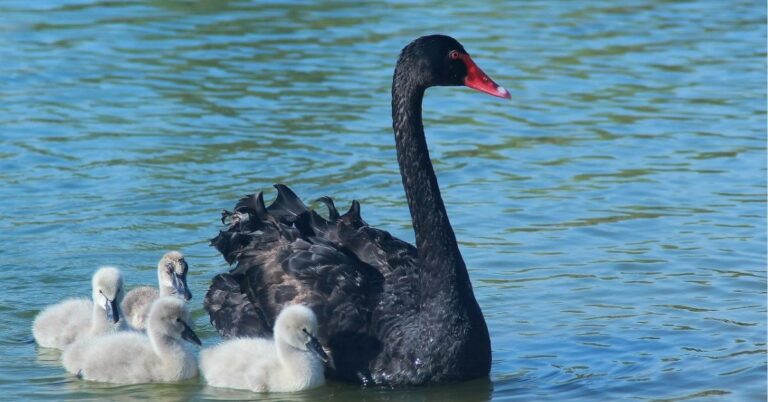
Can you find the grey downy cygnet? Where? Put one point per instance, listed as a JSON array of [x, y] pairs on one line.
[[62, 324], [172, 280], [160, 355], [293, 361]]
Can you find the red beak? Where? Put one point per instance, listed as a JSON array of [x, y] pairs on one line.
[[477, 79]]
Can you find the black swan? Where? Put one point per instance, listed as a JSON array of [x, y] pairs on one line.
[[390, 313]]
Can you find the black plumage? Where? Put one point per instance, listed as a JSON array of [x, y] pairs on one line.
[[390, 313]]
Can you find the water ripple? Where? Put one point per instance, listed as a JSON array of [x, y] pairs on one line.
[[612, 215]]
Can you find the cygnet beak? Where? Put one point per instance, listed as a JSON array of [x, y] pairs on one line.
[[180, 284], [112, 309], [314, 346], [189, 335]]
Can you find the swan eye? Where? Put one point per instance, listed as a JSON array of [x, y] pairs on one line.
[[453, 54]]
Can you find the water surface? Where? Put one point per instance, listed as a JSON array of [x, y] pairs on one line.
[[612, 215]]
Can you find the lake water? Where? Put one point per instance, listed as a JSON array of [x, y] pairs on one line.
[[612, 215]]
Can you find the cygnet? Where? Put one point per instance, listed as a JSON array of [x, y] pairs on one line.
[[64, 323], [172, 279], [160, 355], [293, 361]]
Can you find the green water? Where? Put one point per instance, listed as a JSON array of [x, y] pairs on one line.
[[612, 215]]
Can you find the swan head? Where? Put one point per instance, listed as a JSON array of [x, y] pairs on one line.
[[172, 273], [296, 325], [107, 286], [439, 60], [167, 317]]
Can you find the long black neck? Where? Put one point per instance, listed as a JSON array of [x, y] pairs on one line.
[[443, 273], [447, 302]]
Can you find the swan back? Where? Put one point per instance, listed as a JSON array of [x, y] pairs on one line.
[[60, 325]]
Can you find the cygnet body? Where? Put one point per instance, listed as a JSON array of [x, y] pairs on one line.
[[172, 280], [60, 325], [293, 361], [160, 355]]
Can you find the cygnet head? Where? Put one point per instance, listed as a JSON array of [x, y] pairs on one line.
[[107, 286], [167, 318], [172, 274], [296, 325]]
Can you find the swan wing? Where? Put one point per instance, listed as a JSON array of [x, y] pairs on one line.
[[358, 280]]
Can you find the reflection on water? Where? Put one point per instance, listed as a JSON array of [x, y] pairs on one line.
[[612, 215]]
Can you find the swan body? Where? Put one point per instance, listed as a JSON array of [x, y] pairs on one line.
[[133, 357], [62, 324], [390, 313], [172, 280], [293, 361]]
